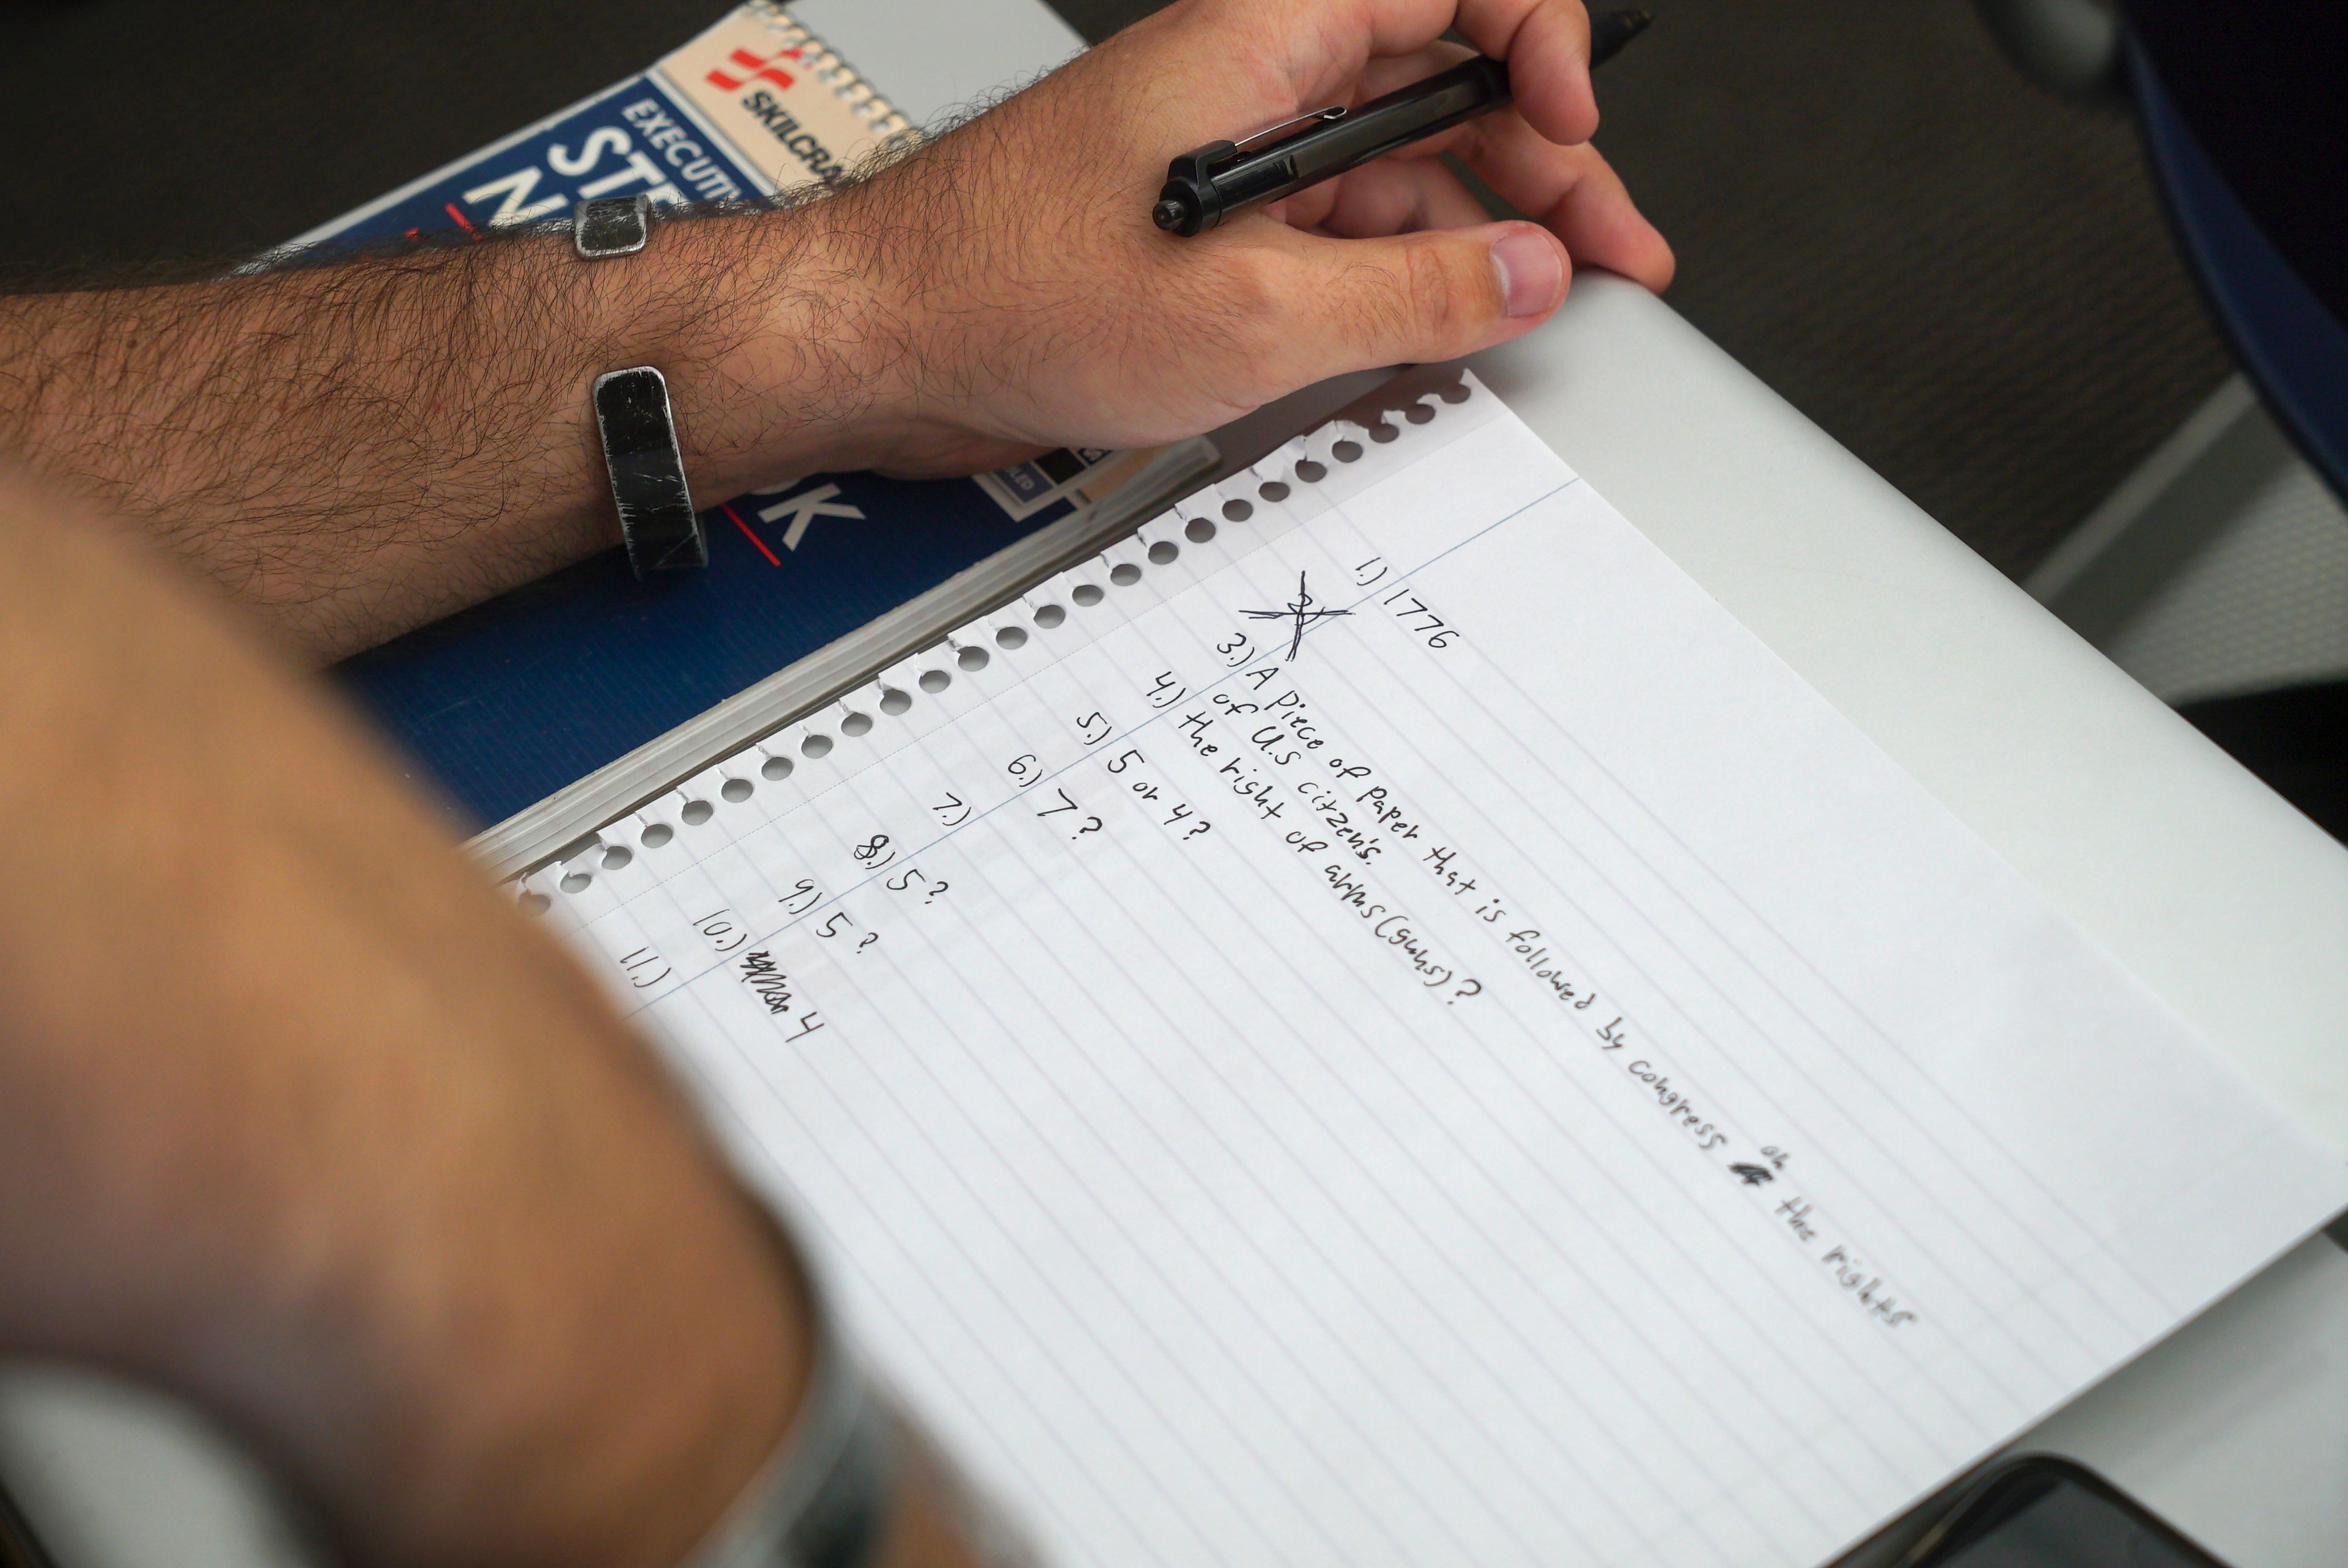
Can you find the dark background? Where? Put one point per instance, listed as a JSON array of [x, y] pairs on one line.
[[1965, 282]]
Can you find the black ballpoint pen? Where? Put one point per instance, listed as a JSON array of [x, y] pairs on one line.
[[1210, 183]]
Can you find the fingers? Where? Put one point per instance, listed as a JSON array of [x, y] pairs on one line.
[[1573, 192], [1354, 304], [1546, 46], [1384, 74], [1545, 42], [1390, 198]]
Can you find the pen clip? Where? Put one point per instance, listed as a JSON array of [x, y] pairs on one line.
[[1275, 133]]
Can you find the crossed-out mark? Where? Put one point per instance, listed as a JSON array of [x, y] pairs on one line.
[[1301, 612]]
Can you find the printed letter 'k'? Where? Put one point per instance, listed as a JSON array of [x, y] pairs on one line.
[[804, 508]]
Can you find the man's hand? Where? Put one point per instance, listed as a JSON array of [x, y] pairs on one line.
[[1014, 292], [355, 450]]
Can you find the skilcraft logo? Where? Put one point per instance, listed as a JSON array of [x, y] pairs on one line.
[[754, 68]]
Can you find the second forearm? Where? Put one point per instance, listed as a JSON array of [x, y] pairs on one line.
[[357, 1160], [355, 449]]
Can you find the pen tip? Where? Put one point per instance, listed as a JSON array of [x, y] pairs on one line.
[[1167, 215], [1609, 30]]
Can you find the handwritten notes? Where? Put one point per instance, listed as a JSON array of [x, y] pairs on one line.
[[1375, 1024]]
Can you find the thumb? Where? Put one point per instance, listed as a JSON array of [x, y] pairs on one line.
[[1418, 298]]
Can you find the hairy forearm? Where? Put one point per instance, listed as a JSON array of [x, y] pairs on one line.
[[353, 449], [297, 1119]]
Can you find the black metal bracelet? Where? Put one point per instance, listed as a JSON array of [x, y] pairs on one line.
[[647, 468], [641, 452]]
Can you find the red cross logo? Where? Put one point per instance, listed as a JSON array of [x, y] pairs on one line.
[[754, 68]]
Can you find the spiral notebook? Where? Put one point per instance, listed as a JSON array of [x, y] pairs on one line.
[[1373, 1022]]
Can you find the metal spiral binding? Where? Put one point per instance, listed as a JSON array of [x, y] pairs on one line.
[[970, 649], [823, 63]]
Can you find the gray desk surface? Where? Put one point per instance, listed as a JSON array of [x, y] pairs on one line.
[[2224, 900]]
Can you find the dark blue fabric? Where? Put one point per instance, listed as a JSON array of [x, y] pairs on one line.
[[2263, 86], [2292, 347]]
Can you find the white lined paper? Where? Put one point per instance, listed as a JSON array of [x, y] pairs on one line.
[[1204, 1217]]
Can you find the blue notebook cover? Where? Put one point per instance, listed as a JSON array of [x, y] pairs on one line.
[[507, 703]]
